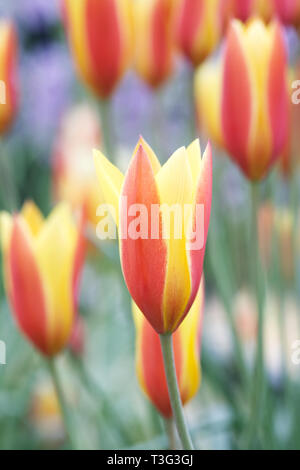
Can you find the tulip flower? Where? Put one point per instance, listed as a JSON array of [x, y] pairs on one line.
[[8, 65], [255, 97], [162, 266], [154, 45], [149, 359], [243, 10], [198, 28], [100, 37], [208, 94], [74, 178], [42, 264], [288, 11]]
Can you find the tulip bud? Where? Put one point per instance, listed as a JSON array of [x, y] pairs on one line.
[[163, 217], [255, 98], [154, 45], [74, 178], [288, 11], [199, 28], [100, 38], [149, 359], [42, 265], [8, 72]]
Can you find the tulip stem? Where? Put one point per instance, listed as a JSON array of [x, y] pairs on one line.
[[106, 126], [170, 431], [66, 417], [169, 363], [258, 282], [7, 185]]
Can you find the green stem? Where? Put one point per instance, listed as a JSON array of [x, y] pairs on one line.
[[258, 282], [170, 431], [169, 363], [192, 120], [62, 403], [6, 182], [107, 130]]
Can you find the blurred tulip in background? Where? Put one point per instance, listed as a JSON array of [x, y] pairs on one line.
[[8, 74], [74, 178], [100, 38], [198, 28], [43, 297], [154, 40], [149, 359], [255, 98]]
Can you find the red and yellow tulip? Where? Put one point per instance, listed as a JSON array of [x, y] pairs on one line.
[[199, 28], [100, 37], [74, 178], [8, 74], [288, 11], [244, 9], [161, 268], [255, 99], [42, 265], [154, 44], [149, 359]]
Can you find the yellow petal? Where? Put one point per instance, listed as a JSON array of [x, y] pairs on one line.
[[33, 217], [175, 187], [189, 332], [5, 230], [194, 157], [111, 181]]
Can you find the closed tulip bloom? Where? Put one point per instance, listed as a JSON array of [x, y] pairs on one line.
[[42, 264], [100, 37], [288, 11], [199, 28], [149, 359], [154, 44], [162, 261], [208, 94], [255, 97], [8, 75]]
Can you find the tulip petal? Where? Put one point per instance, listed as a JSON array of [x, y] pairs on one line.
[[278, 94], [111, 180], [203, 199], [194, 157], [150, 154], [237, 96], [190, 334], [27, 289], [143, 260], [33, 217], [175, 185]]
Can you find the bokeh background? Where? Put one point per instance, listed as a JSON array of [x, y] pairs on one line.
[[103, 392]]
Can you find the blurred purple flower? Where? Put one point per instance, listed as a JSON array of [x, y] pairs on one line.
[[46, 89], [32, 13]]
